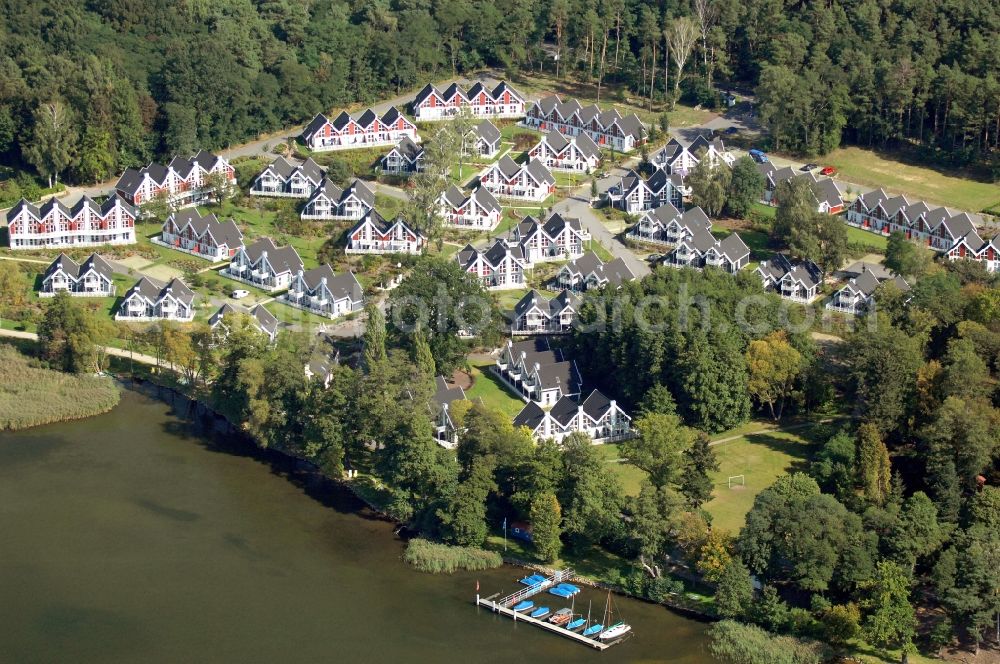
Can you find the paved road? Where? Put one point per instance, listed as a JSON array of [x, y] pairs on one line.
[[578, 206], [110, 350]]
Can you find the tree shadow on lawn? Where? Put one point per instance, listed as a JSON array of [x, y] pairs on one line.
[[798, 451]]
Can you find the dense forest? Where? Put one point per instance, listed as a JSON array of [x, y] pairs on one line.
[[87, 88]]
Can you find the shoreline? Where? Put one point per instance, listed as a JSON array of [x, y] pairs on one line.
[[221, 425]]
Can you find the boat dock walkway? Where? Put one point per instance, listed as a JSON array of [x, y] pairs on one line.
[[504, 606]]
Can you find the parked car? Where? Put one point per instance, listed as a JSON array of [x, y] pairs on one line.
[[809, 167], [828, 171], [240, 293], [732, 130], [758, 156]]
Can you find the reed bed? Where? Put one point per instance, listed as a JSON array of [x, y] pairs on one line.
[[31, 395], [427, 556]]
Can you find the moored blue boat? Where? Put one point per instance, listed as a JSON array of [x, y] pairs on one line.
[[593, 629], [523, 606], [540, 612], [576, 624], [566, 590], [533, 580]]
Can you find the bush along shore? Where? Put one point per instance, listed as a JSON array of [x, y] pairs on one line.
[[32, 395]]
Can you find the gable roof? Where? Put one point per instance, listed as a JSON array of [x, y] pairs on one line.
[[539, 172], [531, 416], [224, 232], [153, 290], [487, 131], [282, 259], [733, 247], [445, 395]]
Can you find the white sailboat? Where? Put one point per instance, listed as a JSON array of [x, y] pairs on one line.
[[618, 629]]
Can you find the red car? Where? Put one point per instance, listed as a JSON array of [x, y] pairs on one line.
[[828, 170]]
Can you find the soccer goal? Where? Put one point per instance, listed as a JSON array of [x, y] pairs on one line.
[[738, 480]]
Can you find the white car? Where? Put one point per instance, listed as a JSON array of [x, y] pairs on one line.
[[240, 293]]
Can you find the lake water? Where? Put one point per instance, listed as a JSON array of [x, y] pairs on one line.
[[135, 537]]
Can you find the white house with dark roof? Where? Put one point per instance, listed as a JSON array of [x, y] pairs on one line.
[[446, 431], [91, 278], [678, 159], [500, 267], [331, 202], [515, 358], [700, 249], [361, 130], [264, 265], [829, 198], [151, 300], [324, 293], [609, 129], [185, 181], [548, 383], [263, 320], [600, 418], [558, 238], [52, 225], [799, 282], [567, 153], [503, 101], [478, 211], [483, 140], [857, 295], [530, 181], [286, 179], [667, 225], [406, 158], [201, 235], [535, 314], [634, 194], [589, 272], [376, 235]]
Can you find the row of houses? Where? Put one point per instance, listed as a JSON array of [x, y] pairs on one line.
[[609, 129], [503, 101], [360, 130], [184, 181], [53, 225], [938, 227]]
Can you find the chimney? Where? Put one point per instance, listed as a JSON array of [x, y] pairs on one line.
[[537, 367], [614, 411]]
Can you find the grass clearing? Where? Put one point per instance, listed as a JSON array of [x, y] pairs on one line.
[[858, 236], [630, 476], [953, 188], [489, 388], [761, 458]]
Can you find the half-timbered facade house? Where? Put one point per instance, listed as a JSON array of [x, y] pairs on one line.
[[376, 235], [362, 130], [201, 235], [52, 225], [530, 181]]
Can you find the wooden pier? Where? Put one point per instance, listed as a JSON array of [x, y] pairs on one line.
[[504, 606]]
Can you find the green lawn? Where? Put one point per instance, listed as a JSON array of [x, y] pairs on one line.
[[865, 237], [294, 316], [492, 391], [766, 211], [630, 476], [761, 458], [946, 187], [602, 252]]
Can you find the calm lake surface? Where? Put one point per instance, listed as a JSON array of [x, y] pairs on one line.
[[135, 537]]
